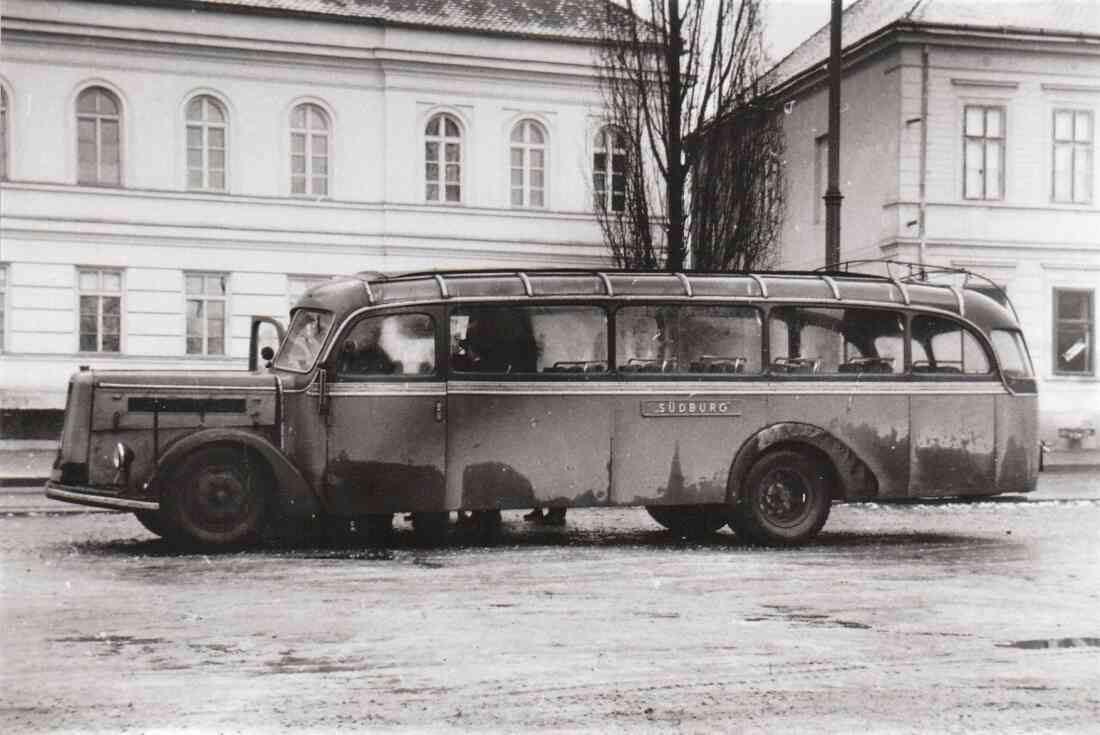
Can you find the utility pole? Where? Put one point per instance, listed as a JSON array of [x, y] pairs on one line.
[[677, 251], [833, 196]]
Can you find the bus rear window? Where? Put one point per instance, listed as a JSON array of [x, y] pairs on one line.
[[1011, 353]]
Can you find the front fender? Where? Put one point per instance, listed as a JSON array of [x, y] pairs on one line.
[[294, 499], [854, 477]]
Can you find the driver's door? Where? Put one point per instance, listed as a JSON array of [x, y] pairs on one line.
[[386, 428]]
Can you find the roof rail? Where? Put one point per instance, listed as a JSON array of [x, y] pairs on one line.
[[920, 272]]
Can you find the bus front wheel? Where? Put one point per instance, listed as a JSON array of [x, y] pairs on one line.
[[217, 497], [689, 521], [784, 500]]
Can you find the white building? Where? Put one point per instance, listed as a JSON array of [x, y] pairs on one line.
[[171, 168], [968, 138]]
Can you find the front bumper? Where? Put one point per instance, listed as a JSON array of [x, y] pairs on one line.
[[96, 498]]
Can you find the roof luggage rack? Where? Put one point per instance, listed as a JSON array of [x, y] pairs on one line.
[[922, 273]]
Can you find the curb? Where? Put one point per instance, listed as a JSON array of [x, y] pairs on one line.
[[22, 481]]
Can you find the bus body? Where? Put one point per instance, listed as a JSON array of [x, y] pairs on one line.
[[753, 399]]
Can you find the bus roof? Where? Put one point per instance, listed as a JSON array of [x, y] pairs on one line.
[[343, 295]]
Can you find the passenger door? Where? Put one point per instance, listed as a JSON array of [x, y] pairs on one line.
[[386, 430], [529, 418], [952, 411]]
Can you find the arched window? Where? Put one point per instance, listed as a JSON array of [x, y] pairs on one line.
[[443, 159], [206, 127], [528, 164], [609, 170], [3, 134], [98, 137], [309, 150]]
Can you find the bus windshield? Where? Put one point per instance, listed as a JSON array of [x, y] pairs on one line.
[[304, 339]]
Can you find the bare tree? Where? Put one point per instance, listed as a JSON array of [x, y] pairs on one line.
[[666, 68]]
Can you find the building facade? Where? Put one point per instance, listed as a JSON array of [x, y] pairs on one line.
[[967, 139], [172, 168]]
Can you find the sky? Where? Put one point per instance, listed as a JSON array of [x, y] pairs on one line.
[[787, 23]]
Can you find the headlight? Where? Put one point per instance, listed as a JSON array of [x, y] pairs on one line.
[[123, 456]]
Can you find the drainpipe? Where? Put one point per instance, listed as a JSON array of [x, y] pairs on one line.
[[921, 218]]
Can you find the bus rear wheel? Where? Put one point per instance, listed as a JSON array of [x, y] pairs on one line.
[[784, 500], [689, 521], [217, 497]]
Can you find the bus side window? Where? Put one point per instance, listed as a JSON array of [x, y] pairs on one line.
[[397, 344], [943, 346], [810, 339], [688, 339], [529, 339]]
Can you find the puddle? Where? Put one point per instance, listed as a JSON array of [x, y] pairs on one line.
[[1042, 643]]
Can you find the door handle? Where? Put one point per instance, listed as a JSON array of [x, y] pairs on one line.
[[439, 411]]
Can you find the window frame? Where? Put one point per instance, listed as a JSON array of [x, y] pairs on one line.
[[1089, 321], [1074, 146], [309, 134], [206, 298], [5, 287], [432, 311], [526, 148], [1002, 139], [5, 133], [98, 119], [441, 141], [604, 201], [205, 126], [617, 369], [821, 176], [601, 306], [100, 293]]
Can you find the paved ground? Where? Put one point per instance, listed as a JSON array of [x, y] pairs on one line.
[[954, 618]]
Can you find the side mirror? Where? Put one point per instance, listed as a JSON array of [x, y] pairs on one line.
[[256, 338]]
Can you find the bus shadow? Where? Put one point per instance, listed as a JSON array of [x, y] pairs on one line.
[[403, 541]]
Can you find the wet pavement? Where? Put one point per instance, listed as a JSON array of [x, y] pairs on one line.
[[975, 617]]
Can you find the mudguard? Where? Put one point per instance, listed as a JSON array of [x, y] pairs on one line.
[[854, 477], [294, 499]]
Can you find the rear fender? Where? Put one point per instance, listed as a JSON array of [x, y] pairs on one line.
[[294, 497], [853, 477]]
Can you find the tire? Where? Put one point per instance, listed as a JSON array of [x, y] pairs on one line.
[[784, 500], [218, 497], [689, 521], [430, 529], [153, 522]]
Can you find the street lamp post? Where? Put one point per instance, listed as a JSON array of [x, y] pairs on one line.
[[833, 196]]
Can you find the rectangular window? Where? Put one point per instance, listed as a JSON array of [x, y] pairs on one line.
[[100, 310], [1074, 331], [821, 176], [3, 304], [207, 297], [822, 340], [529, 339], [946, 347], [983, 152], [688, 339], [1072, 156], [396, 344]]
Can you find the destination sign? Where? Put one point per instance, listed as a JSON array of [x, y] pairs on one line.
[[688, 407]]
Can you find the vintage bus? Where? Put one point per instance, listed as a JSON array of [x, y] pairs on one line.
[[751, 399]]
